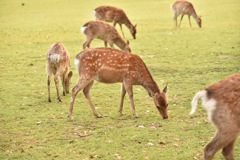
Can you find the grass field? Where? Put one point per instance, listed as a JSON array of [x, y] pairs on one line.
[[188, 59]]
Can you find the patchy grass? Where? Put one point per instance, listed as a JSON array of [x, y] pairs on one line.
[[188, 59]]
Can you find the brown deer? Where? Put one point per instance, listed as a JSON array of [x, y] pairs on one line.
[[58, 63], [183, 7], [109, 65], [105, 32], [115, 15], [222, 102]]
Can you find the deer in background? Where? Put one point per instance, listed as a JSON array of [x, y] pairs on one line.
[[109, 65], [115, 15], [222, 103], [105, 32], [58, 63], [182, 7]]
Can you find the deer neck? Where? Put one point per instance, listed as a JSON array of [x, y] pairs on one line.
[[147, 80], [120, 43], [194, 15], [127, 23]]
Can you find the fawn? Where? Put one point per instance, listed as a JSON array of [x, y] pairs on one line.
[[222, 102], [115, 15], [105, 32], [109, 65], [58, 63], [184, 7]]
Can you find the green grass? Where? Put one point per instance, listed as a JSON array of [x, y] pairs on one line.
[[188, 59]]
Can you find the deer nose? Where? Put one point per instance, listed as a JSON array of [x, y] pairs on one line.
[[165, 117]]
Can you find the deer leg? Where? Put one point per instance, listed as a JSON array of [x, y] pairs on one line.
[[63, 84], [122, 99], [121, 30], [111, 44], [189, 21], [228, 150], [48, 83], [87, 95], [86, 44], [181, 20], [218, 142], [175, 20], [57, 87], [130, 94], [105, 44], [80, 85]]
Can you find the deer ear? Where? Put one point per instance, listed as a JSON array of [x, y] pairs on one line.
[[70, 74], [135, 25], [165, 89]]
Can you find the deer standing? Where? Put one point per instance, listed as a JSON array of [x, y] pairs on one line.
[[109, 65], [222, 102], [182, 7], [115, 15], [105, 32], [58, 63]]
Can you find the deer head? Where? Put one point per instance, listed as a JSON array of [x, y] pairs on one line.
[[160, 100]]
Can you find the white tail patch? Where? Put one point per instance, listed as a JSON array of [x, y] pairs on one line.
[[76, 63], [94, 13], [209, 104], [83, 29], [54, 57]]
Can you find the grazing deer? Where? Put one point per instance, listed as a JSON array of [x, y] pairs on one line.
[[105, 32], [58, 63], [109, 65], [182, 7], [222, 102], [115, 15]]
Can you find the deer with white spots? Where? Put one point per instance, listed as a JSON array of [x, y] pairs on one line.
[[105, 32], [109, 65], [222, 102], [183, 7], [58, 63], [115, 15]]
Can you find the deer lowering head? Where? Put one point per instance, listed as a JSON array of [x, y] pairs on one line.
[[112, 66], [115, 15], [182, 8], [105, 32], [222, 102], [58, 63]]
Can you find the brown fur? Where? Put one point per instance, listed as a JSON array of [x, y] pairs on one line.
[[225, 115], [105, 32], [183, 7], [58, 63], [117, 16], [111, 66]]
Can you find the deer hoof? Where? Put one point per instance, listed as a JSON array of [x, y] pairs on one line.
[[136, 115], [98, 116]]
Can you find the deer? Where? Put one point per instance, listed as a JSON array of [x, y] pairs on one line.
[[58, 63], [109, 65], [105, 32], [222, 103], [117, 16], [182, 7]]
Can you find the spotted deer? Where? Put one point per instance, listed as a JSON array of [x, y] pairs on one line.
[[105, 32], [115, 15], [182, 7], [58, 63], [109, 65], [222, 103]]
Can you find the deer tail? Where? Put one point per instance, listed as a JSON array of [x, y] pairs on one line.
[[194, 103]]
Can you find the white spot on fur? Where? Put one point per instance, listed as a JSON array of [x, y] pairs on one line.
[[83, 29]]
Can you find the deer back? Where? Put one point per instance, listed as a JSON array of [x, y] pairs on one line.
[[58, 58]]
